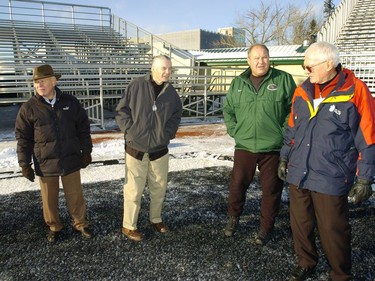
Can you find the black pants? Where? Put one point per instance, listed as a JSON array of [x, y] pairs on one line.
[[244, 168]]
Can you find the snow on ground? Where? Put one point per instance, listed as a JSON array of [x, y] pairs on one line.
[[200, 163], [211, 146]]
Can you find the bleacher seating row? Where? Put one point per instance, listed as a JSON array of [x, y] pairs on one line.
[[351, 28], [25, 43], [98, 58], [96, 62], [358, 32]]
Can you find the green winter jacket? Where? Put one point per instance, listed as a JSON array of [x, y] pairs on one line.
[[257, 119]]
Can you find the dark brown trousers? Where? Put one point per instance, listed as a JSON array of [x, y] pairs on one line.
[[244, 167], [331, 216]]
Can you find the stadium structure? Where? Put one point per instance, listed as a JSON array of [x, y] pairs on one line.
[[99, 53]]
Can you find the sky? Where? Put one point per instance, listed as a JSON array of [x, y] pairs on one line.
[[165, 16]]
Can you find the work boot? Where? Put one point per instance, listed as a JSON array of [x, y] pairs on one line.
[[231, 226], [262, 237]]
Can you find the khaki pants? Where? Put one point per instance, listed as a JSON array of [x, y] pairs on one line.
[[74, 199], [136, 174]]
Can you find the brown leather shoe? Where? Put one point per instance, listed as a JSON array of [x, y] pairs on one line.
[[299, 273], [86, 233], [134, 235], [160, 227]]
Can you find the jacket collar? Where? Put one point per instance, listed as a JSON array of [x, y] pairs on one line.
[[58, 95], [345, 83]]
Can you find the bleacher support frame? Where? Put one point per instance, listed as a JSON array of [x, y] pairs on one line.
[[98, 54]]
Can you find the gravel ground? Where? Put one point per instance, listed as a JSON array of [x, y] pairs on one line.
[[195, 249]]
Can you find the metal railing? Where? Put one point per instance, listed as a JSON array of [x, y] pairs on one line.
[[202, 91], [97, 71], [138, 36], [56, 12], [53, 13], [334, 24], [363, 66]]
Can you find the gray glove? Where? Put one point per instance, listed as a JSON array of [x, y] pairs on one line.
[[282, 170], [361, 191]]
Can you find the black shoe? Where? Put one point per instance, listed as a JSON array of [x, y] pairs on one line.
[[85, 232], [262, 238], [299, 273], [231, 226], [52, 236]]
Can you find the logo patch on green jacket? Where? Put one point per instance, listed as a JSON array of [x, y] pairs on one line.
[[272, 87]]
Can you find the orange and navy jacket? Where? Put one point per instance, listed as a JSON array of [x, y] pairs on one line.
[[328, 146]]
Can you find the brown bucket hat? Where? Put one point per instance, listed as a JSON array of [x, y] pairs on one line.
[[44, 71]]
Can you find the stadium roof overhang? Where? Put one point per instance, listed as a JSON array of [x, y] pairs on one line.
[[279, 55]]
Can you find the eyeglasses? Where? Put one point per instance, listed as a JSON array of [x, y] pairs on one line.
[[310, 67]]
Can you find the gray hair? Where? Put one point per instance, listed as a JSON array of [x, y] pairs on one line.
[[326, 50], [159, 57]]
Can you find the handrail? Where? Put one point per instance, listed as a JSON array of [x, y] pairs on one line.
[[157, 45], [47, 11]]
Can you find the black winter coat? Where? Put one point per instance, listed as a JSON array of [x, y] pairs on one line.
[[148, 123], [53, 138]]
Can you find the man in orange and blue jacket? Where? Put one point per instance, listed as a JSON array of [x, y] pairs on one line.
[[328, 155]]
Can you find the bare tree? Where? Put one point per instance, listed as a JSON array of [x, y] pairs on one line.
[[313, 30], [227, 42], [276, 23], [304, 30], [257, 24]]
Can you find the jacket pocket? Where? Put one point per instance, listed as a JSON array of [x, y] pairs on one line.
[[346, 162]]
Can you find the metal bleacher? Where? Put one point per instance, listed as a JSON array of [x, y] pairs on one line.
[[351, 28], [358, 32], [75, 40], [73, 50], [97, 53]]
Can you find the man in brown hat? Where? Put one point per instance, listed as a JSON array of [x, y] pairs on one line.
[[53, 134]]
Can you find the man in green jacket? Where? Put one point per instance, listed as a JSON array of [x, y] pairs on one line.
[[255, 114]]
